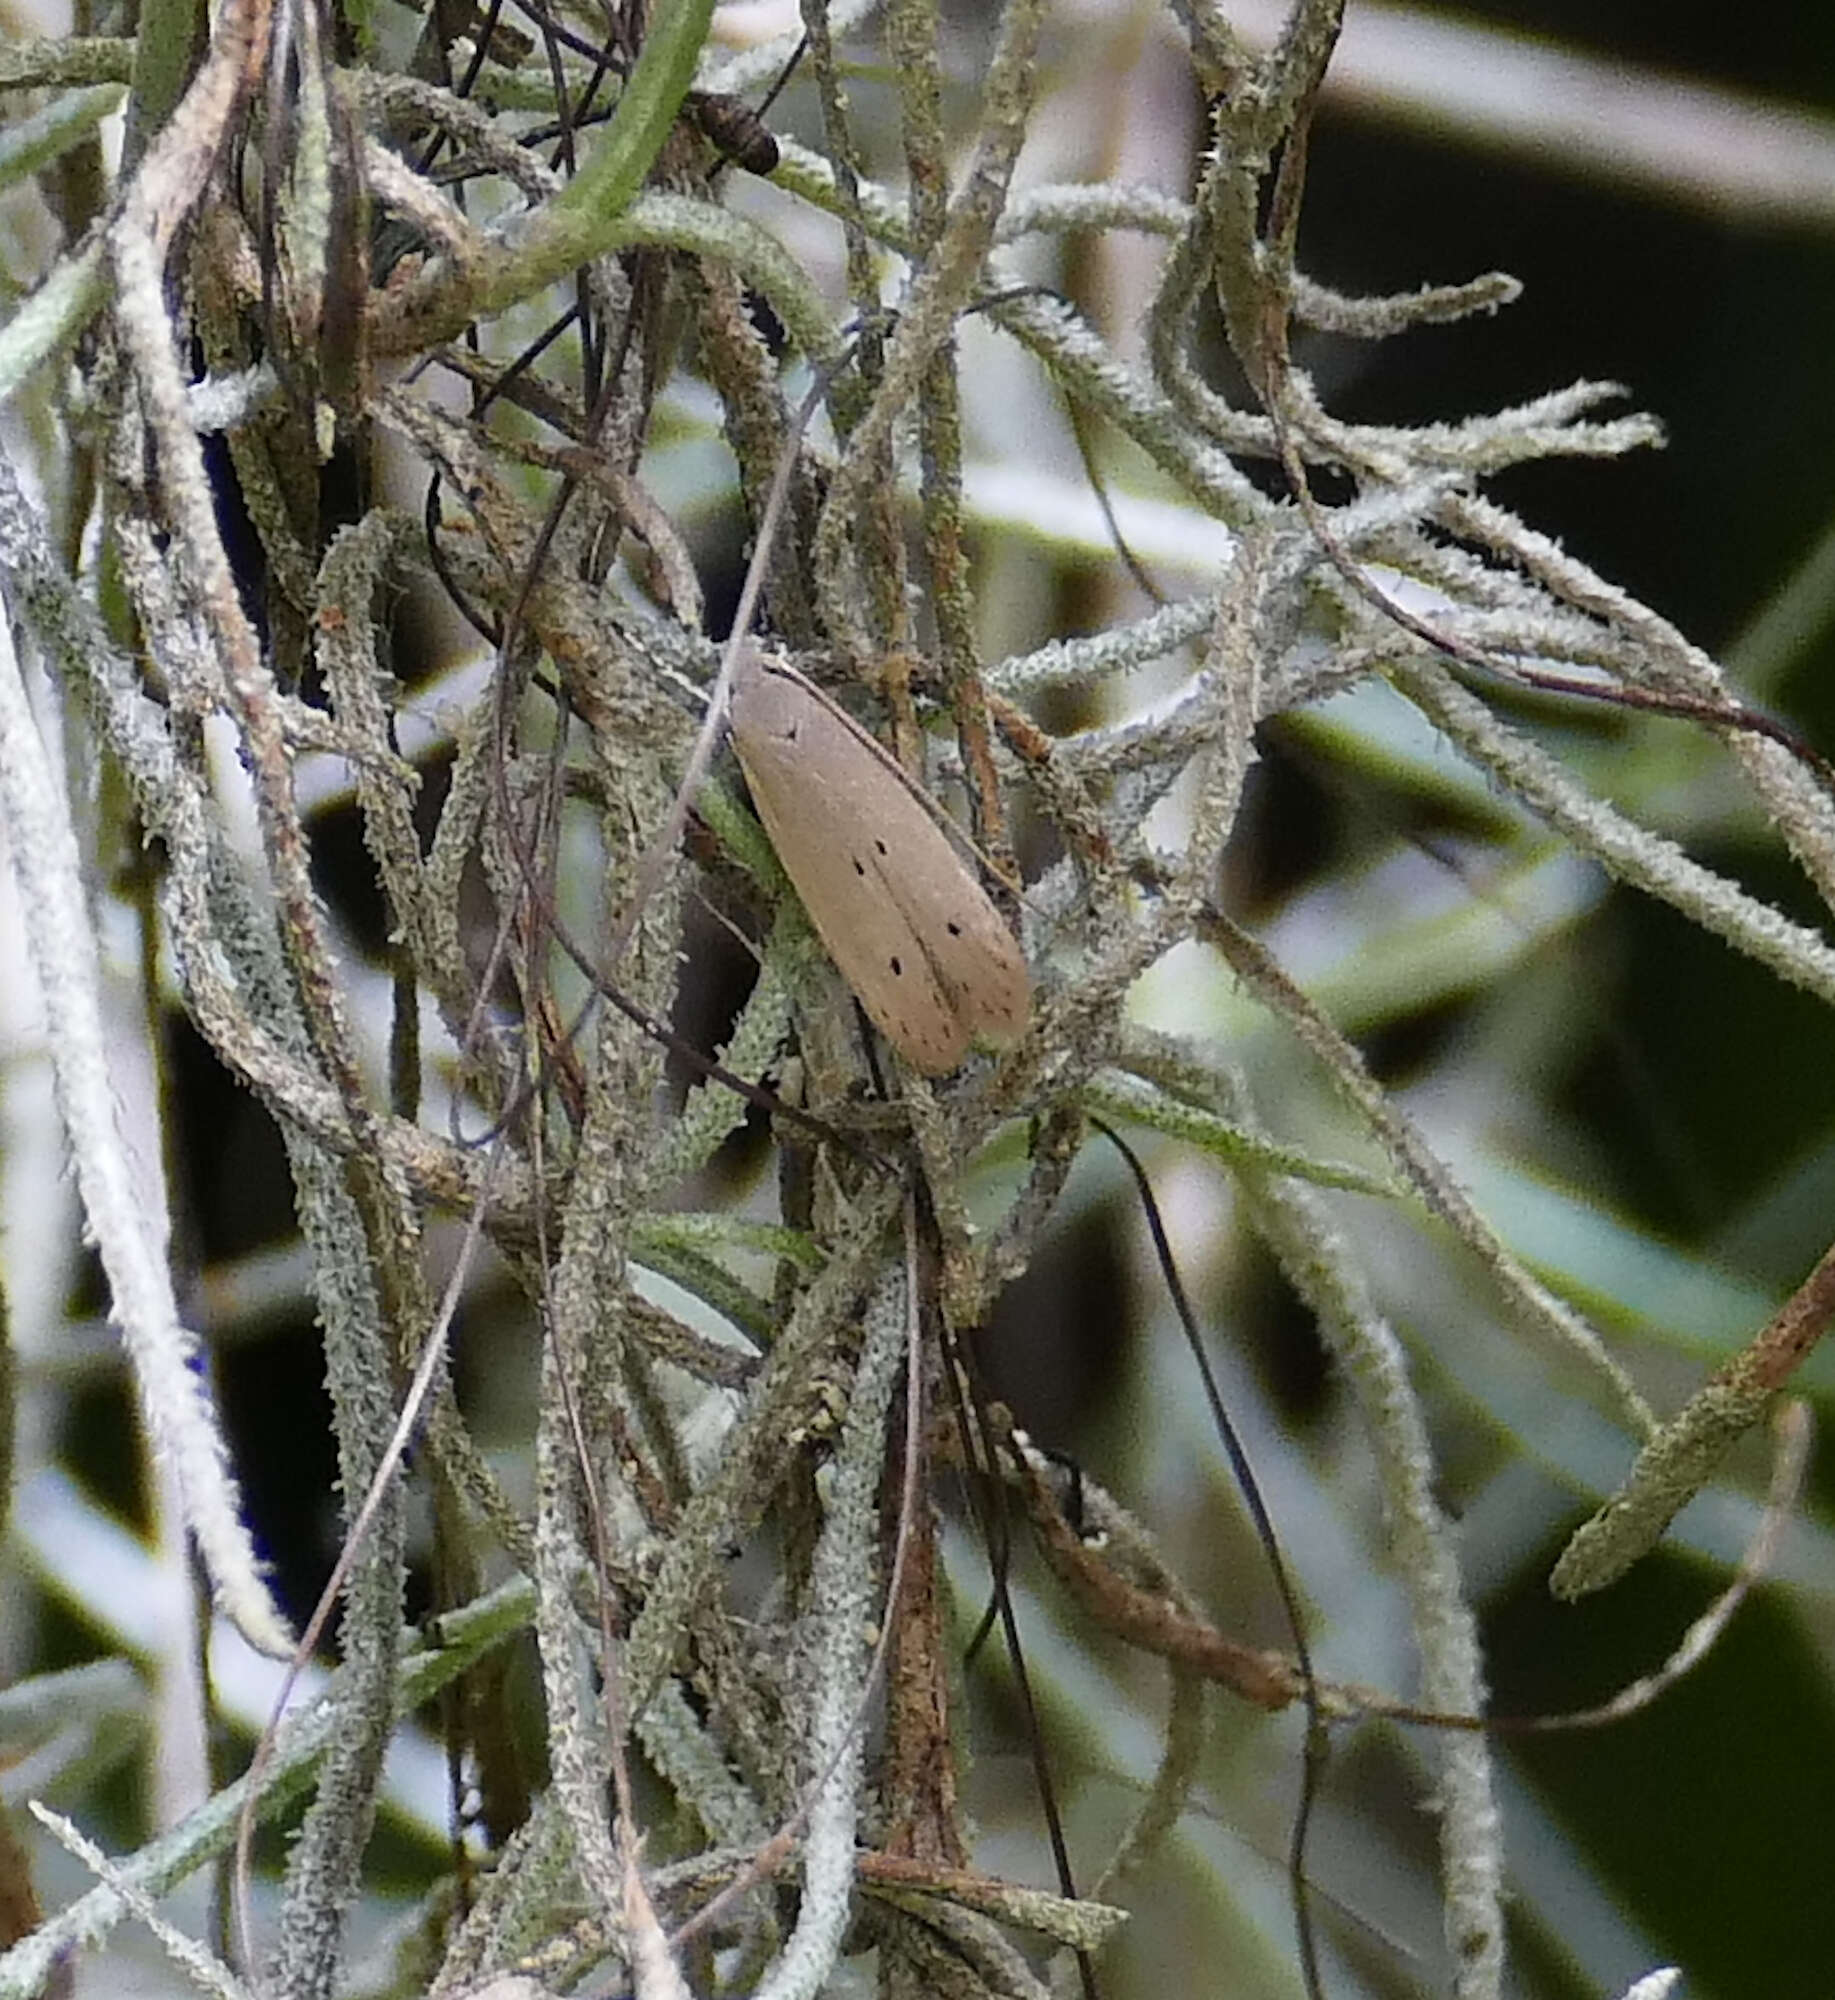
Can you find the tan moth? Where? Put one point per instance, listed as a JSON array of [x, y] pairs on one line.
[[898, 909]]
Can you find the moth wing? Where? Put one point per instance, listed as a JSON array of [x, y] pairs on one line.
[[885, 831], [817, 822], [975, 956]]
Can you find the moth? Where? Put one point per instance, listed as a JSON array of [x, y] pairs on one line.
[[897, 907]]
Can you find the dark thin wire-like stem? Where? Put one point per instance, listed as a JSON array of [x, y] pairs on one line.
[[1318, 1740], [987, 1496]]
